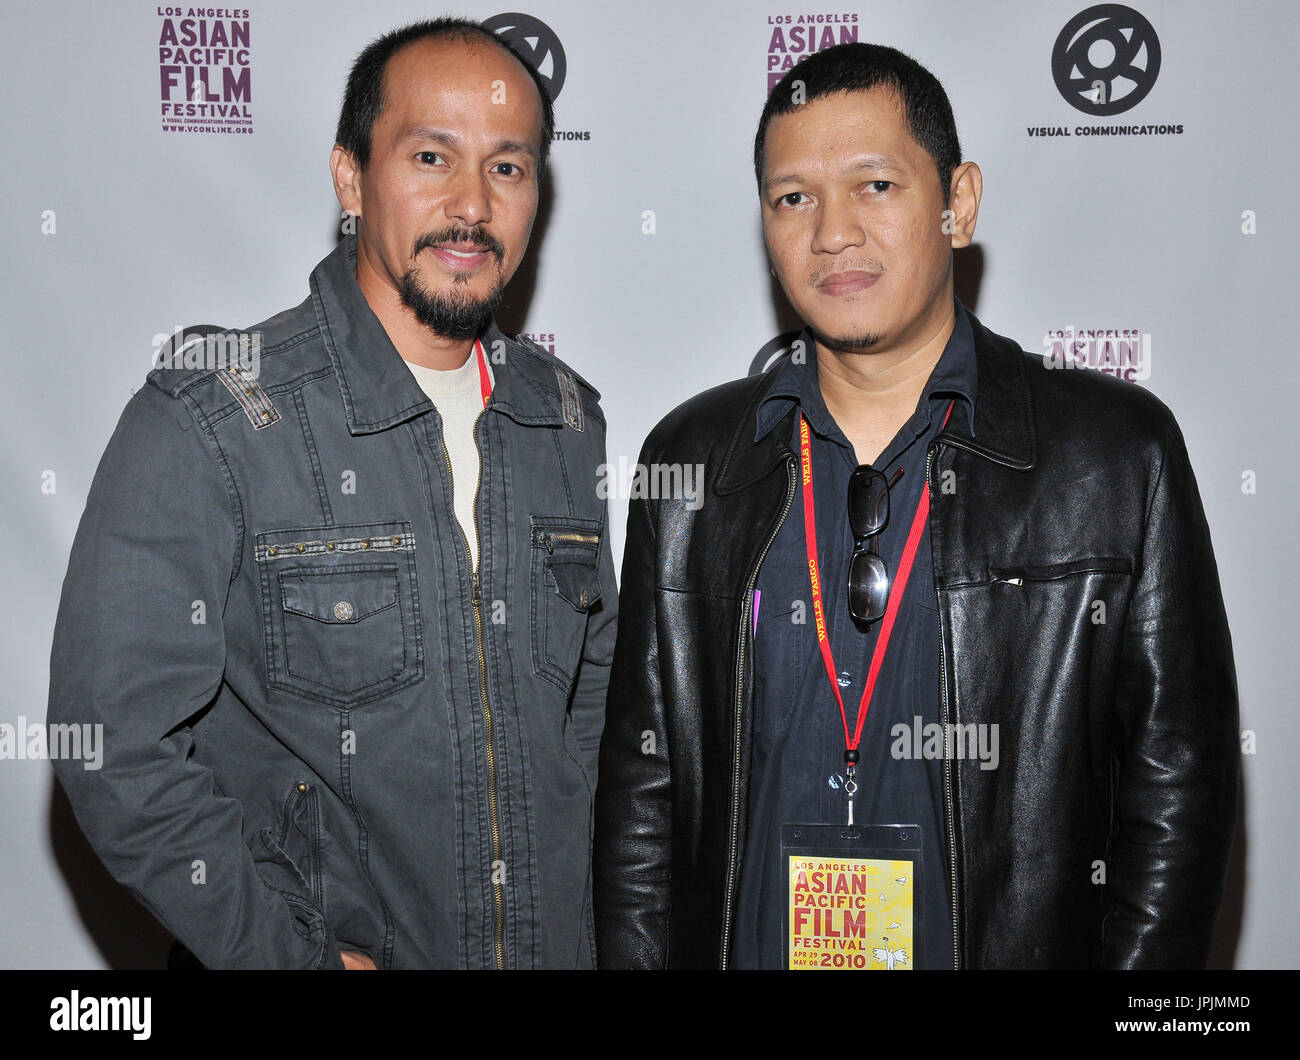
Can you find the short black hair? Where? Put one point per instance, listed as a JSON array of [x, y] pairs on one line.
[[857, 67], [363, 99]]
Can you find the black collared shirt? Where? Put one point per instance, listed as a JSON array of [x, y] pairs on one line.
[[797, 768]]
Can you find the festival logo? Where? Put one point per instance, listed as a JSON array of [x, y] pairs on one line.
[[544, 339], [1122, 352], [795, 36], [205, 70], [850, 913]]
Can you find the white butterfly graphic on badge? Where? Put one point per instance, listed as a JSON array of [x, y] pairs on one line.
[[889, 957]]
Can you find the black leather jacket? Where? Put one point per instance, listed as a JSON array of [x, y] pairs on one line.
[[1079, 610]]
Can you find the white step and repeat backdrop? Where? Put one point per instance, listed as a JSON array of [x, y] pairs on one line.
[[1160, 223]]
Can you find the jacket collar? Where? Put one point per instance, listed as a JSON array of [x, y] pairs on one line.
[[1004, 405], [955, 375], [377, 388], [1004, 420]]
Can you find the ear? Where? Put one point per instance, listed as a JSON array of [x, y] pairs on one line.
[[964, 202], [347, 179]]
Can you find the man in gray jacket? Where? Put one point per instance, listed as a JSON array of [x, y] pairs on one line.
[[342, 596]]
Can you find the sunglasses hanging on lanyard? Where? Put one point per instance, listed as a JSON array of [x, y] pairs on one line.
[[870, 595]]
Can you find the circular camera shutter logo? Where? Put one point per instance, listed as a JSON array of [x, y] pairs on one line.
[[771, 352], [1106, 59], [535, 41]]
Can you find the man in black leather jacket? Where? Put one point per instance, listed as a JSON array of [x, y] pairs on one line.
[[1065, 567]]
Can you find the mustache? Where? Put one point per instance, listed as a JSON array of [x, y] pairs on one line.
[[476, 236], [866, 265]]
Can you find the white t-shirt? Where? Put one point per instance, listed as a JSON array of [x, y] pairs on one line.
[[459, 401]]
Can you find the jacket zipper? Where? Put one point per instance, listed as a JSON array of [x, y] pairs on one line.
[[550, 537], [476, 598], [947, 762], [740, 697]]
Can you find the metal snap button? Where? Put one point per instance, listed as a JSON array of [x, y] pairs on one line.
[[300, 547], [343, 611]]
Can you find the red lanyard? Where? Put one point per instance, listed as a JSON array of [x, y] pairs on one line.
[[484, 382], [895, 593]]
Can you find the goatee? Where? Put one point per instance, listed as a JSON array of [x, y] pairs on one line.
[[455, 315], [446, 315], [863, 343]]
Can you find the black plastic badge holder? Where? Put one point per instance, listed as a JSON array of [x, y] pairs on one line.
[[843, 926]]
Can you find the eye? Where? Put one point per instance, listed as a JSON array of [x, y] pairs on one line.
[[507, 169], [429, 158], [880, 186], [790, 198]]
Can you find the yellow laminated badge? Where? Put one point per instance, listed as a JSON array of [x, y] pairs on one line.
[[851, 896]]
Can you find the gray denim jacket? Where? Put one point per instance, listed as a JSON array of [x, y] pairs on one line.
[[322, 729]]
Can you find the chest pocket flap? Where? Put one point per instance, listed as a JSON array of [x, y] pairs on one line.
[[576, 580], [338, 596]]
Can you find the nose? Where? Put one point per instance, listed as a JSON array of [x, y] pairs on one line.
[[468, 199], [838, 226]]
